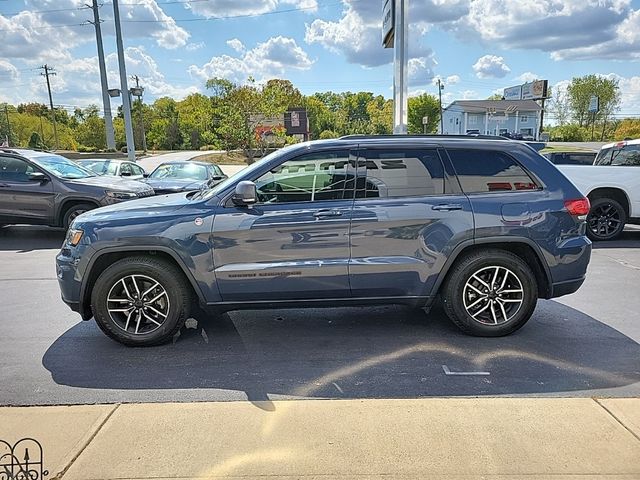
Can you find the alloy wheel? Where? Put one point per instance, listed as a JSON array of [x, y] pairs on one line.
[[604, 220], [493, 295], [138, 304]]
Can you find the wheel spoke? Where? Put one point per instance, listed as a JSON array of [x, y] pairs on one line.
[[477, 302], [493, 312], [126, 325], [150, 319], [121, 300], [479, 280], [148, 290], [138, 321], [157, 311], [157, 297], [126, 290], [481, 310], [495, 277], [135, 284], [122, 310], [475, 289], [511, 291], [504, 280]]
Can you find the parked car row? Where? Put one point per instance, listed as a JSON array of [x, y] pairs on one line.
[[42, 188]]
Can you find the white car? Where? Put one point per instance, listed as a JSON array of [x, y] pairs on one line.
[[612, 185]]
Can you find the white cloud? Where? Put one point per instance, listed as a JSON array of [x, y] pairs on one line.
[[8, 71], [528, 77], [452, 80], [420, 70], [191, 47], [237, 45], [357, 35], [230, 8], [269, 59], [491, 66]]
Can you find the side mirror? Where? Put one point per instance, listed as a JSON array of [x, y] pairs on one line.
[[217, 178], [245, 194], [145, 175], [38, 177], [125, 174]]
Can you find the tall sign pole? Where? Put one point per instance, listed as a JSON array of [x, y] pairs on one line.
[[395, 35], [126, 100], [106, 101], [48, 71]]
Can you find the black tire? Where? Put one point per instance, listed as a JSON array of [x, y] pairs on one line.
[[482, 263], [179, 299], [73, 211], [606, 220]]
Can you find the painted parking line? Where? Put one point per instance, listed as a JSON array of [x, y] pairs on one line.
[[449, 372]]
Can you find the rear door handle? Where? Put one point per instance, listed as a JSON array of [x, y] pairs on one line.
[[447, 207], [4, 185], [327, 213]]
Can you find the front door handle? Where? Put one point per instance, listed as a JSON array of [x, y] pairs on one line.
[[4, 185], [446, 207], [327, 213]]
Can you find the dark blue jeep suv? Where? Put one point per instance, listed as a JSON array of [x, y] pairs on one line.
[[487, 225]]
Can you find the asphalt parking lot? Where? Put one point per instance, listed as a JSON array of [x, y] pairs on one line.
[[586, 344]]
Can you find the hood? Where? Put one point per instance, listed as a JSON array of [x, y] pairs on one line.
[[143, 207], [176, 184], [112, 183]]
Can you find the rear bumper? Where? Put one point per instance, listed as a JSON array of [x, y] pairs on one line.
[[565, 288]]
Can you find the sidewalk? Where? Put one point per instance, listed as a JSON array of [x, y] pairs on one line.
[[506, 438]]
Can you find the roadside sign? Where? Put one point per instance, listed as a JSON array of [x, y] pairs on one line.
[[594, 104], [513, 93], [425, 120], [388, 23]]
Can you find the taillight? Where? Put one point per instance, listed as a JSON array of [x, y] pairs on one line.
[[578, 207]]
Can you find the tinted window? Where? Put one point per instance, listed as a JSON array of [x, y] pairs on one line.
[[489, 171], [137, 170], [401, 173], [14, 170], [628, 156], [185, 171], [567, 158], [309, 178], [604, 157]]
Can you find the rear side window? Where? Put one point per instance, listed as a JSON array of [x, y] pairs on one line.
[[482, 171], [628, 156], [400, 173], [604, 157]]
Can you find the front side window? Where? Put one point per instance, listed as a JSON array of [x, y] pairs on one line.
[[401, 173], [136, 170], [308, 178], [184, 171], [481, 171], [14, 170]]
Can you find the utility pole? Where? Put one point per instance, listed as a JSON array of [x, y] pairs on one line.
[[126, 100], [440, 87], [106, 101], [137, 92], [6, 112], [47, 72]]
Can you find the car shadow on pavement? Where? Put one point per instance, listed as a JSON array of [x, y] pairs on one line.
[[26, 238], [630, 238], [373, 352]]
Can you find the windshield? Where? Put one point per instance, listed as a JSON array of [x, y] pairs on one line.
[[181, 171], [100, 167], [62, 167]]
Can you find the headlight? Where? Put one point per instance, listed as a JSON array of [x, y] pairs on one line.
[[122, 195], [74, 236]]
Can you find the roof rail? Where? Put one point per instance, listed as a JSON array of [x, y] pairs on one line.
[[468, 136]]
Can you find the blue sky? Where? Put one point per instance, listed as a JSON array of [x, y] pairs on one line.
[[476, 46]]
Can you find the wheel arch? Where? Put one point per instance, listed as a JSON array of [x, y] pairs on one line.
[[523, 247], [614, 193], [67, 203], [108, 256]]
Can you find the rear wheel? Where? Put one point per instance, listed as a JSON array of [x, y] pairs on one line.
[[73, 211], [606, 219], [141, 301], [490, 293]]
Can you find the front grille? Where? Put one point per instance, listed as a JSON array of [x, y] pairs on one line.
[[146, 193]]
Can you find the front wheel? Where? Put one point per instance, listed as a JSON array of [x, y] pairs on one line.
[[606, 219], [141, 301], [73, 212], [490, 293]]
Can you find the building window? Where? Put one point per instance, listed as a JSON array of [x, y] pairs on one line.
[[473, 119], [524, 119]]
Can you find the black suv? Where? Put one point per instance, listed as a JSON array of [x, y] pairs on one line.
[[42, 188], [488, 225]]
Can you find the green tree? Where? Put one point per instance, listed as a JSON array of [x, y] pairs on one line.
[[424, 105], [628, 128], [580, 92], [35, 141]]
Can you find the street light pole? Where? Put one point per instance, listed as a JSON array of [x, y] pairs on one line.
[[440, 87], [106, 101], [126, 101], [400, 65]]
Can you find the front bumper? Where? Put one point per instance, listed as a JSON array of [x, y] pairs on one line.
[[70, 283]]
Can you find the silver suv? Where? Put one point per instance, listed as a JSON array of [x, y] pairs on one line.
[[42, 188]]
